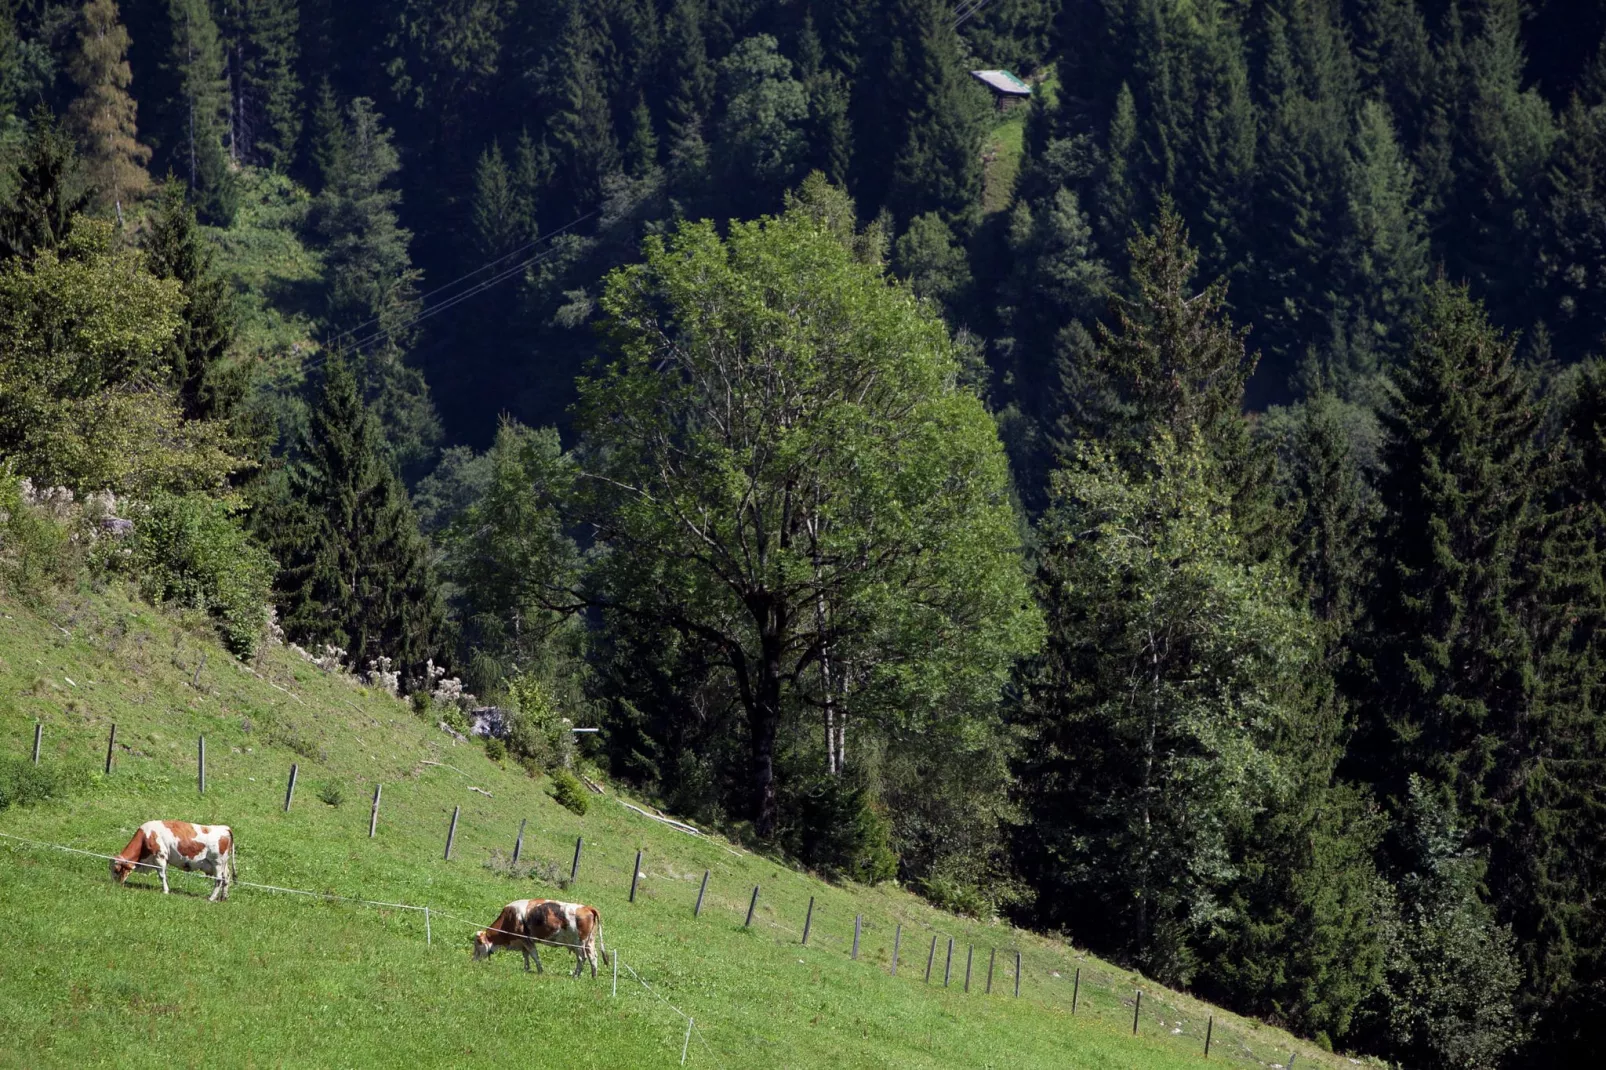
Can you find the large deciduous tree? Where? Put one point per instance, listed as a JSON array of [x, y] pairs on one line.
[[782, 469]]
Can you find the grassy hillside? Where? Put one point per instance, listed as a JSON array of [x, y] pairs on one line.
[[98, 975]]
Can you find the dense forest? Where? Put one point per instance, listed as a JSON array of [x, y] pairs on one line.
[[1180, 523]]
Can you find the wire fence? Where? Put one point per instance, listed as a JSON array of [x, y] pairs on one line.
[[963, 958]]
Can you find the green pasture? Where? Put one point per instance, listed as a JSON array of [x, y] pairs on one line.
[[92, 974]]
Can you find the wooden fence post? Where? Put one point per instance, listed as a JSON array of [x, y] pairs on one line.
[[697, 911], [200, 767], [518, 841], [858, 923], [970, 953], [1137, 1007], [931, 956], [948, 965], [1210, 1027], [290, 791], [635, 873], [38, 734], [195, 681], [111, 741], [808, 919], [451, 833], [373, 815], [1017, 975], [574, 867], [1076, 989], [992, 955], [897, 938], [751, 906]]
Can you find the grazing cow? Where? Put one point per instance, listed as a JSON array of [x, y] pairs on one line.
[[525, 924], [208, 848]]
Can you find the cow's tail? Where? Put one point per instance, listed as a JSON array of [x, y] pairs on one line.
[[234, 856]]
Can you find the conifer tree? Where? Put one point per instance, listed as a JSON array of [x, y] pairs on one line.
[[198, 119], [356, 570], [691, 79], [641, 154], [496, 224], [49, 191], [581, 124], [103, 115], [1450, 661], [373, 286], [937, 116], [267, 87], [175, 249]]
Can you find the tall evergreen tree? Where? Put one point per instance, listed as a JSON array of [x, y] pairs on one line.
[[356, 570], [49, 191], [1453, 689], [175, 249], [495, 220], [580, 122], [198, 119], [267, 108], [373, 286], [103, 115]]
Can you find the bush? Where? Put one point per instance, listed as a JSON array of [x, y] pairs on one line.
[[541, 870], [569, 792], [329, 792], [23, 784], [833, 825], [193, 550], [537, 734], [495, 749], [36, 552]]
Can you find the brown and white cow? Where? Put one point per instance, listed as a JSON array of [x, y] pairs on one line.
[[207, 848], [525, 924]]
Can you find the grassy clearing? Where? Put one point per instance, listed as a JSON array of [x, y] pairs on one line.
[[99, 975], [1001, 157]]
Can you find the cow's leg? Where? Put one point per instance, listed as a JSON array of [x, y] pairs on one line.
[[526, 960], [161, 871], [537, 953], [591, 954]]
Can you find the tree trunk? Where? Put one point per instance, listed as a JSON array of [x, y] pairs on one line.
[[765, 720]]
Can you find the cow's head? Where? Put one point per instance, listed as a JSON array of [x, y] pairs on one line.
[[123, 864], [482, 945], [121, 868]]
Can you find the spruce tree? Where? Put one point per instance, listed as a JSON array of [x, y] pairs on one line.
[[581, 123], [1450, 661], [495, 219], [103, 115], [48, 194], [356, 570], [373, 286], [691, 80], [198, 120], [267, 87], [175, 249]]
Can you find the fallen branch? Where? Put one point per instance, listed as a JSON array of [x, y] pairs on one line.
[[483, 792], [671, 822]]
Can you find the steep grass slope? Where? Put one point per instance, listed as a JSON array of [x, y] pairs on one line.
[[92, 974]]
